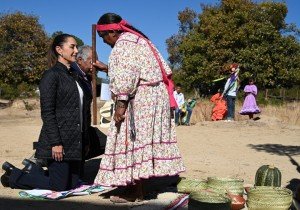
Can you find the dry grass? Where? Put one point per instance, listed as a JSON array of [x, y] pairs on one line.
[[202, 111], [288, 113]]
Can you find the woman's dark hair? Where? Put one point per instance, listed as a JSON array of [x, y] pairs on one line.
[[109, 18], [59, 40]]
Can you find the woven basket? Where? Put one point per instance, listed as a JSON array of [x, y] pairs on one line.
[[222, 185], [186, 185], [267, 198], [207, 200]]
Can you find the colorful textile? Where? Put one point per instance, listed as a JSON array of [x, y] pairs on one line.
[[191, 103], [145, 144], [53, 195], [220, 110], [188, 109], [249, 105]]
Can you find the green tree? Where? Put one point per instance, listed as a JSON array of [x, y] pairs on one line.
[[23, 50], [252, 34], [78, 40]]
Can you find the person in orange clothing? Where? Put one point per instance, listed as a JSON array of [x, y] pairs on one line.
[[220, 109]]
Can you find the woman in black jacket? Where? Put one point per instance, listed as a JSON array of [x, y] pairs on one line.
[[65, 111]]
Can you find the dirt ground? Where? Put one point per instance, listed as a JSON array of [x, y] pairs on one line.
[[223, 149]]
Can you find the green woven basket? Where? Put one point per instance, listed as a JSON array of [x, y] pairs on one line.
[[208, 200], [267, 198], [186, 185], [222, 185]]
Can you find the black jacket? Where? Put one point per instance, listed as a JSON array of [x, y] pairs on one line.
[[60, 112]]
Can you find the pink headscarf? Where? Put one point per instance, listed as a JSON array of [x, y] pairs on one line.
[[122, 26], [117, 27]]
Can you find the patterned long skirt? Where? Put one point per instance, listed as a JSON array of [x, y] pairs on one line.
[[145, 144]]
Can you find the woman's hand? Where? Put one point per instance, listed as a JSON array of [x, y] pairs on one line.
[[101, 66], [57, 153], [119, 115]]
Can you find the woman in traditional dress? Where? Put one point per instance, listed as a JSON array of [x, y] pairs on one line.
[[141, 142], [249, 106]]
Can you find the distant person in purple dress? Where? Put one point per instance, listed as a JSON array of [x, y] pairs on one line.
[[249, 106]]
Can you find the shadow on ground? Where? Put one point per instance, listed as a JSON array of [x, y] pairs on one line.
[[277, 149], [27, 204], [153, 186]]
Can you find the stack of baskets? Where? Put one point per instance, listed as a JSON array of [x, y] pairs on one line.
[[223, 185], [210, 194], [269, 198]]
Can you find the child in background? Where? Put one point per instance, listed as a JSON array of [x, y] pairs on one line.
[[249, 106], [179, 98], [189, 106]]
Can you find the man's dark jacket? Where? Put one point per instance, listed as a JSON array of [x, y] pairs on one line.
[[94, 137], [60, 112]]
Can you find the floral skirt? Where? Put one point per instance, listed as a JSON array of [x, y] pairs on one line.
[[145, 144]]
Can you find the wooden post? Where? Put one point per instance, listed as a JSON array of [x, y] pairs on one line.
[[94, 75], [266, 94]]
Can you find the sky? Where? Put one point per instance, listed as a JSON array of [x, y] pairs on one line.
[[155, 18]]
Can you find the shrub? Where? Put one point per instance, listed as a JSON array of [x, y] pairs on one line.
[[11, 92]]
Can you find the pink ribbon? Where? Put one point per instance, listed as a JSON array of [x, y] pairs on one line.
[[118, 26]]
